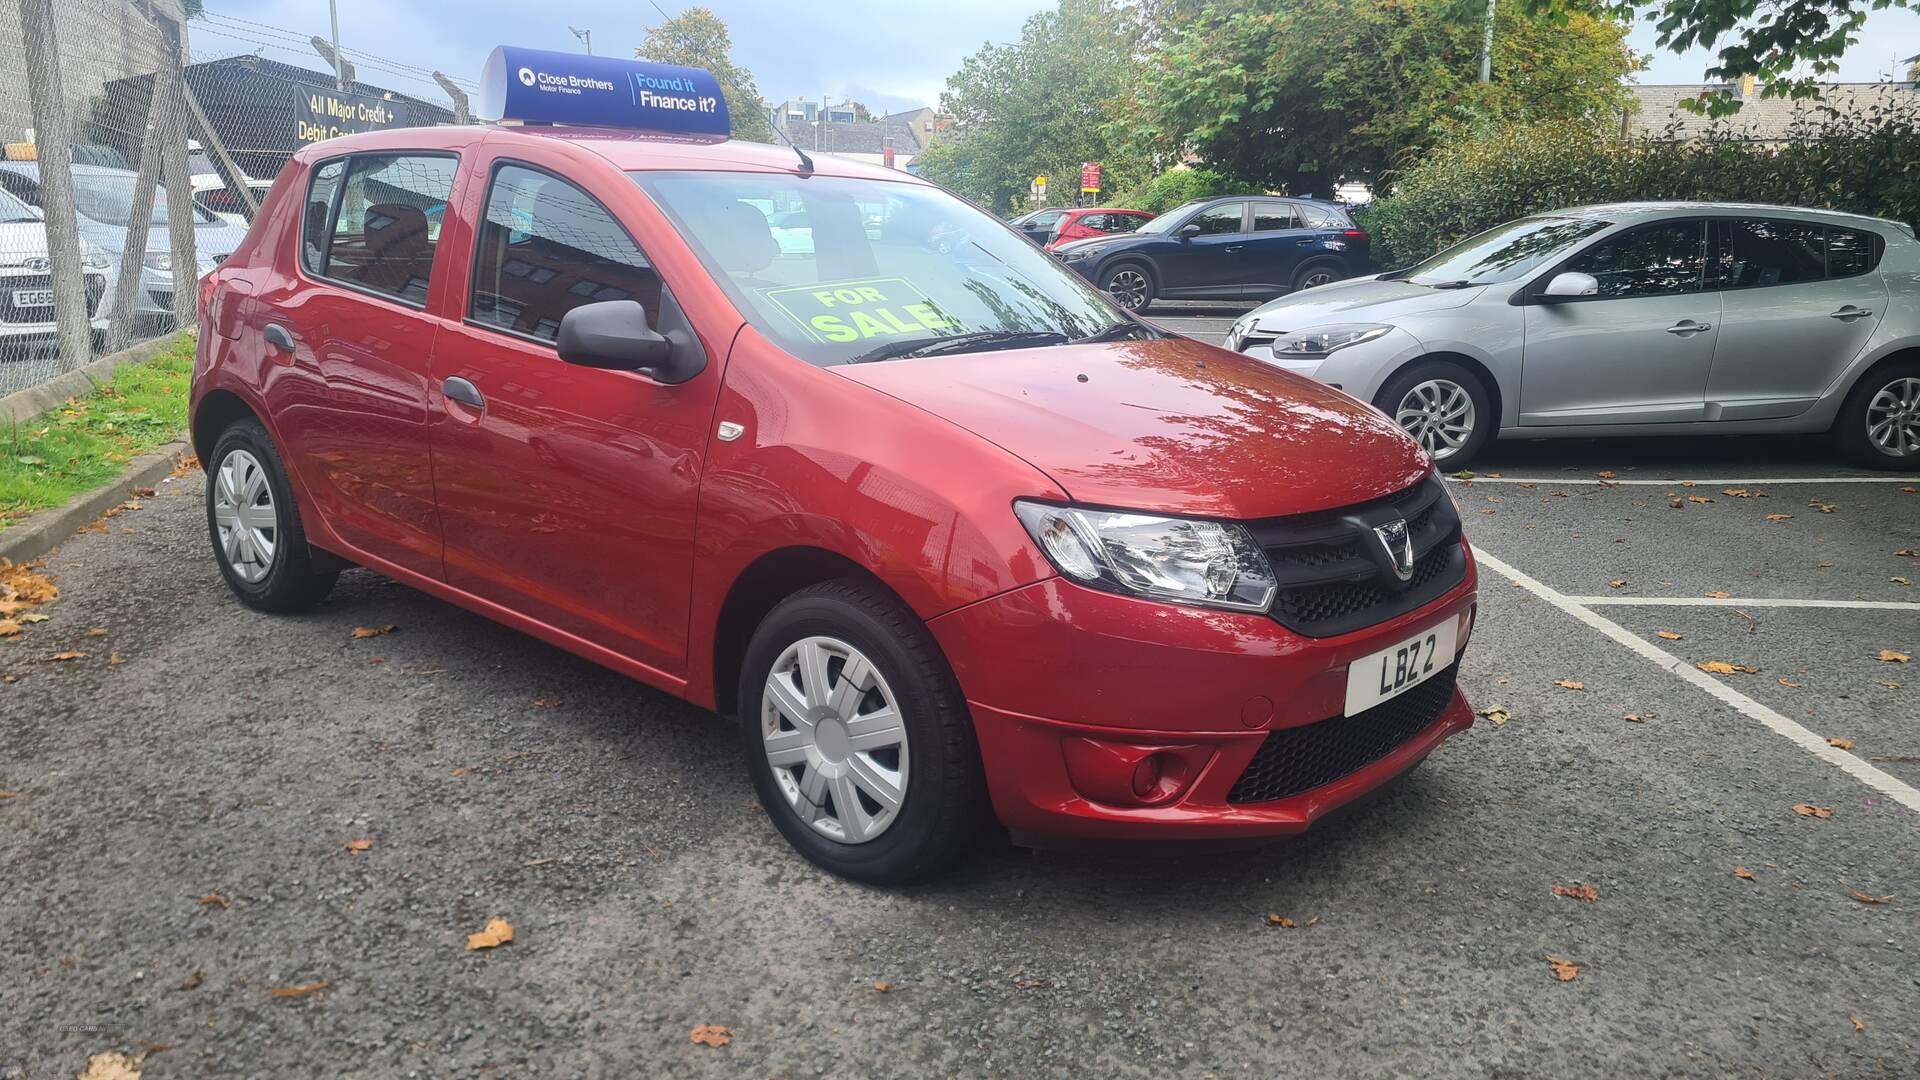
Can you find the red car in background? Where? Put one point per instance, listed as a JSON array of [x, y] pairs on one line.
[[1051, 228]]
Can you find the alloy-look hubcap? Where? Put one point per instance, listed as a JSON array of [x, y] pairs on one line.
[[1438, 413], [1893, 418], [1317, 279], [832, 731], [1130, 288], [243, 515]]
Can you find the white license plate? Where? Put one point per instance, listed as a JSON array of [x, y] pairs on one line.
[[1396, 669], [33, 298]]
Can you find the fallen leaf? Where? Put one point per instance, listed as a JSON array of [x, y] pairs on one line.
[[1779, 517], [1671, 636], [1720, 594], [1676, 504], [361, 633], [712, 1035], [1605, 474], [9, 628], [1721, 667], [1617, 583], [1564, 970], [1496, 714], [1698, 499], [1558, 494], [302, 990], [882, 986], [1569, 684], [213, 899], [1868, 898], [1892, 657], [114, 660], [1636, 718], [546, 703], [354, 847], [98, 631], [9, 794], [1890, 684], [497, 932], [34, 617], [71, 654], [461, 771], [1743, 872], [1791, 683], [26, 584], [1911, 490], [1805, 810], [1899, 581], [1280, 920], [1909, 553], [1583, 892], [1857, 1025], [1825, 508], [1841, 744], [111, 1065], [1687, 483]]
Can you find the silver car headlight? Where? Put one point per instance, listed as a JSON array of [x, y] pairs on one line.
[[159, 260], [1182, 560], [1321, 340], [95, 260]]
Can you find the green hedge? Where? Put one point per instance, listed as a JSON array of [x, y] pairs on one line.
[[1867, 165], [1176, 186]]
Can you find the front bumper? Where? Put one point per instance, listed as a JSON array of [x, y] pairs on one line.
[[1072, 690]]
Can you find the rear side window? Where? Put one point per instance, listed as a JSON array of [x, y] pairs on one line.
[[386, 223], [546, 247], [1319, 217], [1774, 253], [316, 219], [1851, 253], [1656, 260], [1269, 217]]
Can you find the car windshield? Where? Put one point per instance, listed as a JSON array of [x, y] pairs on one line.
[[1503, 252], [1165, 221], [108, 197], [839, 270]]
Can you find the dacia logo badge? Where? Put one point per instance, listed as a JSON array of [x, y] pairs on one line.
[[1398, 542]]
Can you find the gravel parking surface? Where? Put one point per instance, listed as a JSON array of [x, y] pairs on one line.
[[235, 755]]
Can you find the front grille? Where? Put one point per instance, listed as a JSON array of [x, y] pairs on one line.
[[1335, 577], [1299, 759]]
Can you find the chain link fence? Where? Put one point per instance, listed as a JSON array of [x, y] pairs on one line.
[[132, 160]]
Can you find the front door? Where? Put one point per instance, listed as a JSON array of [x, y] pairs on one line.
[[1636, 352], [568, 492], [1799, 303], [1210, 260]]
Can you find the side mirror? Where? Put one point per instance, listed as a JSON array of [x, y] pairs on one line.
[[612, 334], [1568, 286], [1189, 230]]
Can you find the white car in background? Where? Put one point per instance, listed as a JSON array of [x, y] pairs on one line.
[[27, 326], [1629, 319]]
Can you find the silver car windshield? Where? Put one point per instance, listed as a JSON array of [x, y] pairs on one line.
[[1503, 252]]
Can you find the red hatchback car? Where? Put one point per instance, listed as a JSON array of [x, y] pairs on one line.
[[1051, 228], [951, 536]]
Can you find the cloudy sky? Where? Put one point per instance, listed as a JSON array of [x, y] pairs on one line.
[[888, 54]]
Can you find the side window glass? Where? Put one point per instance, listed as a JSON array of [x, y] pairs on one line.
[[1269, 217], [1124, 223], [1220, 219], [314, 223], [1775, 253], [1096, 222], [1659, 260], [1850, 253], [389, 222], [545, 248], [1319, 217]]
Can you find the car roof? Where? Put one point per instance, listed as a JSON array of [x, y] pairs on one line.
[[1084, 210], [626, 150], [1647, 211]]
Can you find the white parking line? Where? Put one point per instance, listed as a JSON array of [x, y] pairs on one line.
[[1779, 481], [1891, 786], [1714, 601]]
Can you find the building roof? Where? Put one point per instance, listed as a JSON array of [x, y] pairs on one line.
[[862, 137], [1659, 114]]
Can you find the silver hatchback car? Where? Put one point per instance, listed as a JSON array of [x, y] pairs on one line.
[[1630, 319]]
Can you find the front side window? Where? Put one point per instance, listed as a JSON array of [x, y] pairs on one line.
[[887, 266], [1272, 217], [1124, 223], [1220, 219], [546, 247], [1667, 259], [387, 223], [1764, 252]]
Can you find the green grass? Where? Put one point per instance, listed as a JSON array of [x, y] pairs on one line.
[[47, 459]]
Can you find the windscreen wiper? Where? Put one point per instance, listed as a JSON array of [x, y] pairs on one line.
[[958, 343], [1115, 332], [1461, 284]]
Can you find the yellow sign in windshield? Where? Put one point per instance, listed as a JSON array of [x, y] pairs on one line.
[[842, 311]]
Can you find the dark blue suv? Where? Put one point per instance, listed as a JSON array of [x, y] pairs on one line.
[[1236, 247]]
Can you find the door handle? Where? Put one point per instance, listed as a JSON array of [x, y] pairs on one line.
[[278, 338], [1850, 312], [1688, 326], [1230, 248], [464, 392], [1308, 242]]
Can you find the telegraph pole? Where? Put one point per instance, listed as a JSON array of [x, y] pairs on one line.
[[1486, 47], [339, 69]]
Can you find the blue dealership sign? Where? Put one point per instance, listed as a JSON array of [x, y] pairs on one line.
[[537, 86]]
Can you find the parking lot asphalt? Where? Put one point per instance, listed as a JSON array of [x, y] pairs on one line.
[[201, 750]]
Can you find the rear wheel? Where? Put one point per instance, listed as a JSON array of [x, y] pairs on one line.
[[255, 525], [1130, 285], [1445, 407], [1313, 275], [1879, 423], [857, 738]]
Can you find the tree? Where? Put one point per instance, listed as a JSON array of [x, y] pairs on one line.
[[1043, 105], [1767, 40], [1319, 92], [698, 38]]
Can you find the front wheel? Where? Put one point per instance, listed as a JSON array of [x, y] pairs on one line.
[[857, 737], [1879, 423], [255, 526], [1445, 407], [1130, 285]]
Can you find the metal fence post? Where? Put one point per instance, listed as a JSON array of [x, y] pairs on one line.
[[126, 288], [54, 149], [173, 168]]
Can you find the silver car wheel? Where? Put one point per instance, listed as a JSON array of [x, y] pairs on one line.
[[1893, 418], [244, 517], [1129, 287], [1439, 414], [1316, 279], [832, 731]]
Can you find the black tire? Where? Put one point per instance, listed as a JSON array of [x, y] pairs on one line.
[[1850, 433], [1136, 283], [1397, 388], [1308, 276], [943, 808], [297, 577]]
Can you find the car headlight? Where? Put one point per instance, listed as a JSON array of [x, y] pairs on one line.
[[1321, 340], [1182, 560], [95, 260], [159, 260]]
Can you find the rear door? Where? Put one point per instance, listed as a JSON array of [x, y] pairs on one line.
[[1212, 261], [1800, 299], [1277, 244], [1638, 351]]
